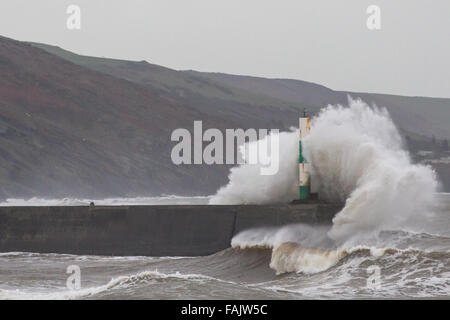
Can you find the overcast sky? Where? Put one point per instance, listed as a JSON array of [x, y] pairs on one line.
[[323, 41]]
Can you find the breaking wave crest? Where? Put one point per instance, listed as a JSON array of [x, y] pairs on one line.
[[121, 282], [290, 256]]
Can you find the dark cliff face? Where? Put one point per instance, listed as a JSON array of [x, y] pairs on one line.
[[66, 130]]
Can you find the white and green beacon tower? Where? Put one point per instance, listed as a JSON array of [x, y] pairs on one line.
[[303, 165]]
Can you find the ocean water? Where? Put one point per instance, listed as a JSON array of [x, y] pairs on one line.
[[412, 264]]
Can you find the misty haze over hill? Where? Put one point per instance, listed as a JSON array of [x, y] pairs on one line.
[[80, 126]]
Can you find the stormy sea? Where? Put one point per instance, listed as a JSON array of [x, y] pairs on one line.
[[390, 240]]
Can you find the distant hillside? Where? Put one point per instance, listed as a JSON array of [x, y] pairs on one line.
[[68, 130], [418, 115], [185, 85], [414, 115]]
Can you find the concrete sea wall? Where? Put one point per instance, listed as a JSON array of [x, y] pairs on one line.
[[177, 230]]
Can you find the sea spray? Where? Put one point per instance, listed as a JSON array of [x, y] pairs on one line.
[[248, 186], [357, 158]]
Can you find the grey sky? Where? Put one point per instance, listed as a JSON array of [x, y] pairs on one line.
[[323, 41]]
